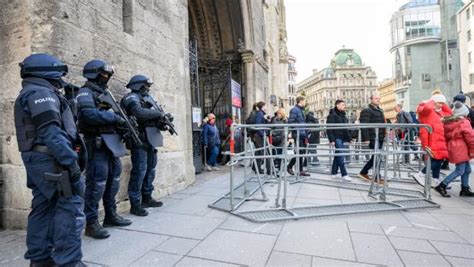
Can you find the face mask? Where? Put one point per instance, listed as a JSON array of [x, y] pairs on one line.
[[57, 83], [145, 89], [102, 81]]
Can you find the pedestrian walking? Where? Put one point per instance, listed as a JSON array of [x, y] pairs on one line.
[[313, 138], [211, 142], [278, 135], [462, 98], [337, 138], [372, 114], [431, 112], [405, 135], [300, 135], [460, 142]]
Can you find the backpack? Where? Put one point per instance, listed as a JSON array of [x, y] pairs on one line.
[[251, 119], [471, 116]]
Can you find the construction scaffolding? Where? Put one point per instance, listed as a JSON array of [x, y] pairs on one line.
[[392, 161]]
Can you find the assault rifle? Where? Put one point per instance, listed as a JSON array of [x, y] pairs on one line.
[[166, 120], [107, 98]]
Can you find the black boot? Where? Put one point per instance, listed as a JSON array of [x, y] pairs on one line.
[[95, 230], [77, 264], [113, 219], [441, 189], [45, 263], [137, 209], [466, 192], [290, 171], [260, 171], [149, 202], [445, 165]]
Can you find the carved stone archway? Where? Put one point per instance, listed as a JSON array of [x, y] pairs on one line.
[[215, 36]]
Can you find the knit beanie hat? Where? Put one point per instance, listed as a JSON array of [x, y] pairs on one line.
[[460, 97], [460, 109], [438, 98], [436, 92]]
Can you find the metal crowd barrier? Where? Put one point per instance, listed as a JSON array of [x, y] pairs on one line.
[[402, 171], [264, 155]]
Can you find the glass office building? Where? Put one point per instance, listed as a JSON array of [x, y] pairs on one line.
[[415, 23], [415, 37]]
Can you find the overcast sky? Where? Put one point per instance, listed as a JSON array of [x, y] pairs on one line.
[[318, 28]]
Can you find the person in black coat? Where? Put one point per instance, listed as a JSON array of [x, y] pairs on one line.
[[313, 137], [337, 137], [406, 136], [278, 135], [372, 114], [259, 135]]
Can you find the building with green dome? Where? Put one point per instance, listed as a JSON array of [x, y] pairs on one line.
[[345, 78], [346, 57]]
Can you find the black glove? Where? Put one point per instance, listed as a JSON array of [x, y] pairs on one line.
[[169, 116], [74, 172], [121, 122]]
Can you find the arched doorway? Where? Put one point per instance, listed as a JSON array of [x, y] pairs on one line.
[[215, 35]]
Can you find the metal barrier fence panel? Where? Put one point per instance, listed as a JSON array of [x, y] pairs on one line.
[[262, 158]]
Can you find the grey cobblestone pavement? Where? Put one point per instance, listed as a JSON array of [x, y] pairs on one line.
[[185, 232]]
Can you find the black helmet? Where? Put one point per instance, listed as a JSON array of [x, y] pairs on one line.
[[138, 81], [43, 66], [93, 68]]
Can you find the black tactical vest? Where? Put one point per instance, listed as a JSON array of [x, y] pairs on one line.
[[26, 130]]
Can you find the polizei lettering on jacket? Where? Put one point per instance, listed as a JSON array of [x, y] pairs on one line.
[[44, 99], [82, 94]]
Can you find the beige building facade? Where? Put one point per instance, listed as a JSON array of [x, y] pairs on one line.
[[465, 19], [386, 90], [190, 49], [275, 54], [292, 89], [346, 78]]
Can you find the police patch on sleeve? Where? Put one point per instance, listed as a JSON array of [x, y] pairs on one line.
[[131, 100], [85, 99], [44, 108]]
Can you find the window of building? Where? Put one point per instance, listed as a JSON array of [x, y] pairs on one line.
[[469, 35], [468, 14], [127, 16], [426, 77], [471, 78]]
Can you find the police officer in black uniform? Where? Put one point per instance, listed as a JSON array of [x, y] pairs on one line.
[[103, 143], [144, 108], [47, 139]]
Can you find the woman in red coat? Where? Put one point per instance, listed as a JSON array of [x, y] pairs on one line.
[[431, 112], [460, 140]]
